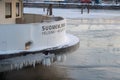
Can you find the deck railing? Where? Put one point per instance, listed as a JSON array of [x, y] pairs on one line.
[[36, 18]]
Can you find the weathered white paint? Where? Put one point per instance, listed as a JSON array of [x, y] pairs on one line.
[[4, 20], [14, 36]]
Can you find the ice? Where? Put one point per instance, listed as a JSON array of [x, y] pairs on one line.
[[46, 61], [29, 60], [76, 13], [21, 61]]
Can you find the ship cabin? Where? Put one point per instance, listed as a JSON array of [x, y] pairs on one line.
[[25, 31]]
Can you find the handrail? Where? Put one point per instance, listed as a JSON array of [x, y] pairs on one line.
[[36, 18]]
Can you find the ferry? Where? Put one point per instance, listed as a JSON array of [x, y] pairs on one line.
[[28, 39]]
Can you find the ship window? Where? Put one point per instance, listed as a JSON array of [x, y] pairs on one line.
[[8, 10], [17, 9]]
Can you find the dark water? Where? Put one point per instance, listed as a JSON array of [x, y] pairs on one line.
[[98, 57]]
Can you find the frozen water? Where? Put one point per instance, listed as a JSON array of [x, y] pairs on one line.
[[76, 13]]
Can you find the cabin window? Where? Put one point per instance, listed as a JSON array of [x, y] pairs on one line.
[[17, 9], [8, 10]]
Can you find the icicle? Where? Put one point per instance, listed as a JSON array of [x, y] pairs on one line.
[[22, 61], [48, 62], [21, 66], [51, 59], [58, 57], [11, 66], [34, 63], [43, 62], [15, 66], [63, 58]]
